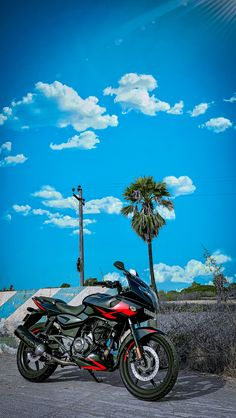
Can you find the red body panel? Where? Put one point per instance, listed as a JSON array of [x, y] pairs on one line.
[[96, 366], [121, 307]]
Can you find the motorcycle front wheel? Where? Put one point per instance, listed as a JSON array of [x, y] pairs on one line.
[[152, 378]]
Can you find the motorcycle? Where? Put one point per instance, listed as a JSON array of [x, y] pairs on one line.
[[102, 334]]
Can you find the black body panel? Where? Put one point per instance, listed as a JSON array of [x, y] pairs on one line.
[[71, 321], [104, 300]]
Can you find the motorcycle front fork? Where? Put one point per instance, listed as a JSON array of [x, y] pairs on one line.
[[139, 349]]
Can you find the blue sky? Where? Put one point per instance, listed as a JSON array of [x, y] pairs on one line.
[[98, 94]]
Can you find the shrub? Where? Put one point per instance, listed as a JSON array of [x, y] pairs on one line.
[[205, 339]]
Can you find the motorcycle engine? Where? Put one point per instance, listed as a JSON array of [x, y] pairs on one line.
[[82, 345], [93, 337]]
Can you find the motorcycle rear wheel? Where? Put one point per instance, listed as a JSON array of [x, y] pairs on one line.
[[157, 377], [30, 367]]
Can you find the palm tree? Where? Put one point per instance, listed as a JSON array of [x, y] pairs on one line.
[[146, 198]]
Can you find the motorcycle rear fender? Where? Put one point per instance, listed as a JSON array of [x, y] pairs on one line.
[[140, 333], [33, 317]]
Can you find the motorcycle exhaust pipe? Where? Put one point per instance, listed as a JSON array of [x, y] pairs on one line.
[[30, 340], [57, 360]]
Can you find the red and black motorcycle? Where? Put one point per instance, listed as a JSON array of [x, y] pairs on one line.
[[102, 334]]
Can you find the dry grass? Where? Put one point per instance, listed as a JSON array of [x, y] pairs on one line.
[[205, 340]]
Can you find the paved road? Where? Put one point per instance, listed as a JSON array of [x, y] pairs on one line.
[[73, 393]]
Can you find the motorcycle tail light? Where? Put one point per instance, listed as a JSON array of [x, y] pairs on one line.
[[38, 304]]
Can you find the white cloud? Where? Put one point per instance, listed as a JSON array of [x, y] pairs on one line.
[[166, 213], [232, 99], [63, 203], [43, 212], [40, 212], [68, 222], [6, 112], [111, 277], [221, 258], [12, 160], [63, 221], [199, 109], [194, 268], [85, 231], [3, 118], [59, 105], [86, 140], [187, 274], [56, 219], [109, 204], [133, 94], [217, 125], [47, 192], [7, 217], [178, 186], [6, 146], [112, 205], [23, 209], [177, 109]]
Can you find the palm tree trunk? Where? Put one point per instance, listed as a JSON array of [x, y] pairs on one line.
[[153, 281]]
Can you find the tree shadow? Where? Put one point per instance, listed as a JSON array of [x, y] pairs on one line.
[[189, 384]]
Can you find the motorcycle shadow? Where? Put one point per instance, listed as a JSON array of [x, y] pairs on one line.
[[72, 374], [189, 384]]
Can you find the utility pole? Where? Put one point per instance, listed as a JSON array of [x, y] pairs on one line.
[[81, 201]]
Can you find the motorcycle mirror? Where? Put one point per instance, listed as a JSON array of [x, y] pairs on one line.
[[119, 265]]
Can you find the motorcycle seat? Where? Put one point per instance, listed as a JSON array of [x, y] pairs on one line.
[[49, 300], [67, 309]]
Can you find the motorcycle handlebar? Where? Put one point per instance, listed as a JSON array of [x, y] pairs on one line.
[[109, 284]]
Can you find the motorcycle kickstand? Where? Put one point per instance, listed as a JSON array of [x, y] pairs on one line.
[[97, 379]]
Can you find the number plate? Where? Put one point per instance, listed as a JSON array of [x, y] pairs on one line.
[[149, 313]]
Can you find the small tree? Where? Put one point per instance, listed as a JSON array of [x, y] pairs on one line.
[[90, 282], [7, 289], [65, 285], [219, 279]]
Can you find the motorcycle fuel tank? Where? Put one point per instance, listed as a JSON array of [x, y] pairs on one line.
[[111, 307]]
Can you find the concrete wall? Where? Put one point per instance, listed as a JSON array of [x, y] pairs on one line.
[[14, 304]]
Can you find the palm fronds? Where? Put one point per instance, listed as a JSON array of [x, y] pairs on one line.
[[144, 196]]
